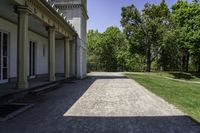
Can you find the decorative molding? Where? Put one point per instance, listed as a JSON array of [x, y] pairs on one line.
[[31, 30], [67, 6], [51, 17]]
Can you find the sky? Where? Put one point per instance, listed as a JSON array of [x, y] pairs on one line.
[[105, 13]]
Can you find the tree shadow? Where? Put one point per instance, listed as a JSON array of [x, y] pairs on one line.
[[196, 74], [182, 75]]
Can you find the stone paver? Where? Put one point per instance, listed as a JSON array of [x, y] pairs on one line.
[[102, 103]]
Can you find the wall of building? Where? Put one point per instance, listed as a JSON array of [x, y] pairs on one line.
[[74, 14], [72, 59], [59, 56], [12, 30], [41, 60], [41, 42], [79, 22]]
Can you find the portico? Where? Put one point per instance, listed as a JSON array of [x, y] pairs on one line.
[[37, 27]]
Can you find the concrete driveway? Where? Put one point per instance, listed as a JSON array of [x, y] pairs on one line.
[[101, 103]]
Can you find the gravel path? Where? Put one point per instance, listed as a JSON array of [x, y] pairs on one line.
[[102, 103]]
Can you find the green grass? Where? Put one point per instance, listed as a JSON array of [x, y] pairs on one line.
[[185, 96]]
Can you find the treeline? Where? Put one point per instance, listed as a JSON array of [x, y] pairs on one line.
[[155, 39]]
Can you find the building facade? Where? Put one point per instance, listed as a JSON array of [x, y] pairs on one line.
[[40, 38], [76, 13]]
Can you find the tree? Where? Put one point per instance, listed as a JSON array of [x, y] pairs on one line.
[[153, 39], [144, 30], [107, 51], [93, 42], [170, 51], [112, 51], [187, 16]]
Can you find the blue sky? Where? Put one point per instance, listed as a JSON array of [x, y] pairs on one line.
[[105, 13]]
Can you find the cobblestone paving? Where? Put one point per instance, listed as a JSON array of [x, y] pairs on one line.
[[102, 103]]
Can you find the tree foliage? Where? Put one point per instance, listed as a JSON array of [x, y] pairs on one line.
[[155, 38], [107, 51], [145, 30]]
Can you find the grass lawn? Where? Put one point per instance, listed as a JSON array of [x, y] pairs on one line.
[[185, 96]]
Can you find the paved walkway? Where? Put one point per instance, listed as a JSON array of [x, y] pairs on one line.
[[102, 103]]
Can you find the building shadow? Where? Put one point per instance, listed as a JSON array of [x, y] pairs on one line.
[[48, 116], [146, 124]]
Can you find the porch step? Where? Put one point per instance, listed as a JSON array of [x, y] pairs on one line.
[[12, 96], [44, 89], [37, 90]]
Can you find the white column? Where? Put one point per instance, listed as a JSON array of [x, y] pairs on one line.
[[23, 14], [51, 53], [66, 57], [78, 59], [73, 58]]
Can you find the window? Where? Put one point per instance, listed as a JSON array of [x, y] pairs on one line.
[[44, 50]]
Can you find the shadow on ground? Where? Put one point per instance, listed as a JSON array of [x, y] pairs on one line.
[[47, 116], [182, 75], [151, 124], [196, 74]]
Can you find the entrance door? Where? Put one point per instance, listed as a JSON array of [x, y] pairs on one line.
[[3, 57], [32, 59]]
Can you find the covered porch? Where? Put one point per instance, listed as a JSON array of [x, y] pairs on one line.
[[45, 45], [9, 91]]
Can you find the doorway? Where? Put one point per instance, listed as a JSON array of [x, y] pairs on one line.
[[32, 61], [4, 40]]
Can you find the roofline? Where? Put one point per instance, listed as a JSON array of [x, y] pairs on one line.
[[47, 4]]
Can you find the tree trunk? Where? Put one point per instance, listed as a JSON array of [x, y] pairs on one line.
[[183, 63], [199, 68], [148, 56], [158, 63], [187, 61]]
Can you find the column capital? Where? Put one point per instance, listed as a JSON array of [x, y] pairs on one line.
[[66, 37], [51, 28], [24, 9], [73, 39]]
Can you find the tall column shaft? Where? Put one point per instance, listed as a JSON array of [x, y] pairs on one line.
[[51, 53], [23, 14], [66, 58], [73, 58], [79, 64]]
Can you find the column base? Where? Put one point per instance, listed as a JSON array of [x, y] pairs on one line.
[[52, 79], [22, 85], [67, 77]]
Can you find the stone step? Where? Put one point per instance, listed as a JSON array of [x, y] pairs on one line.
[[44, 89], [31, 91]]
